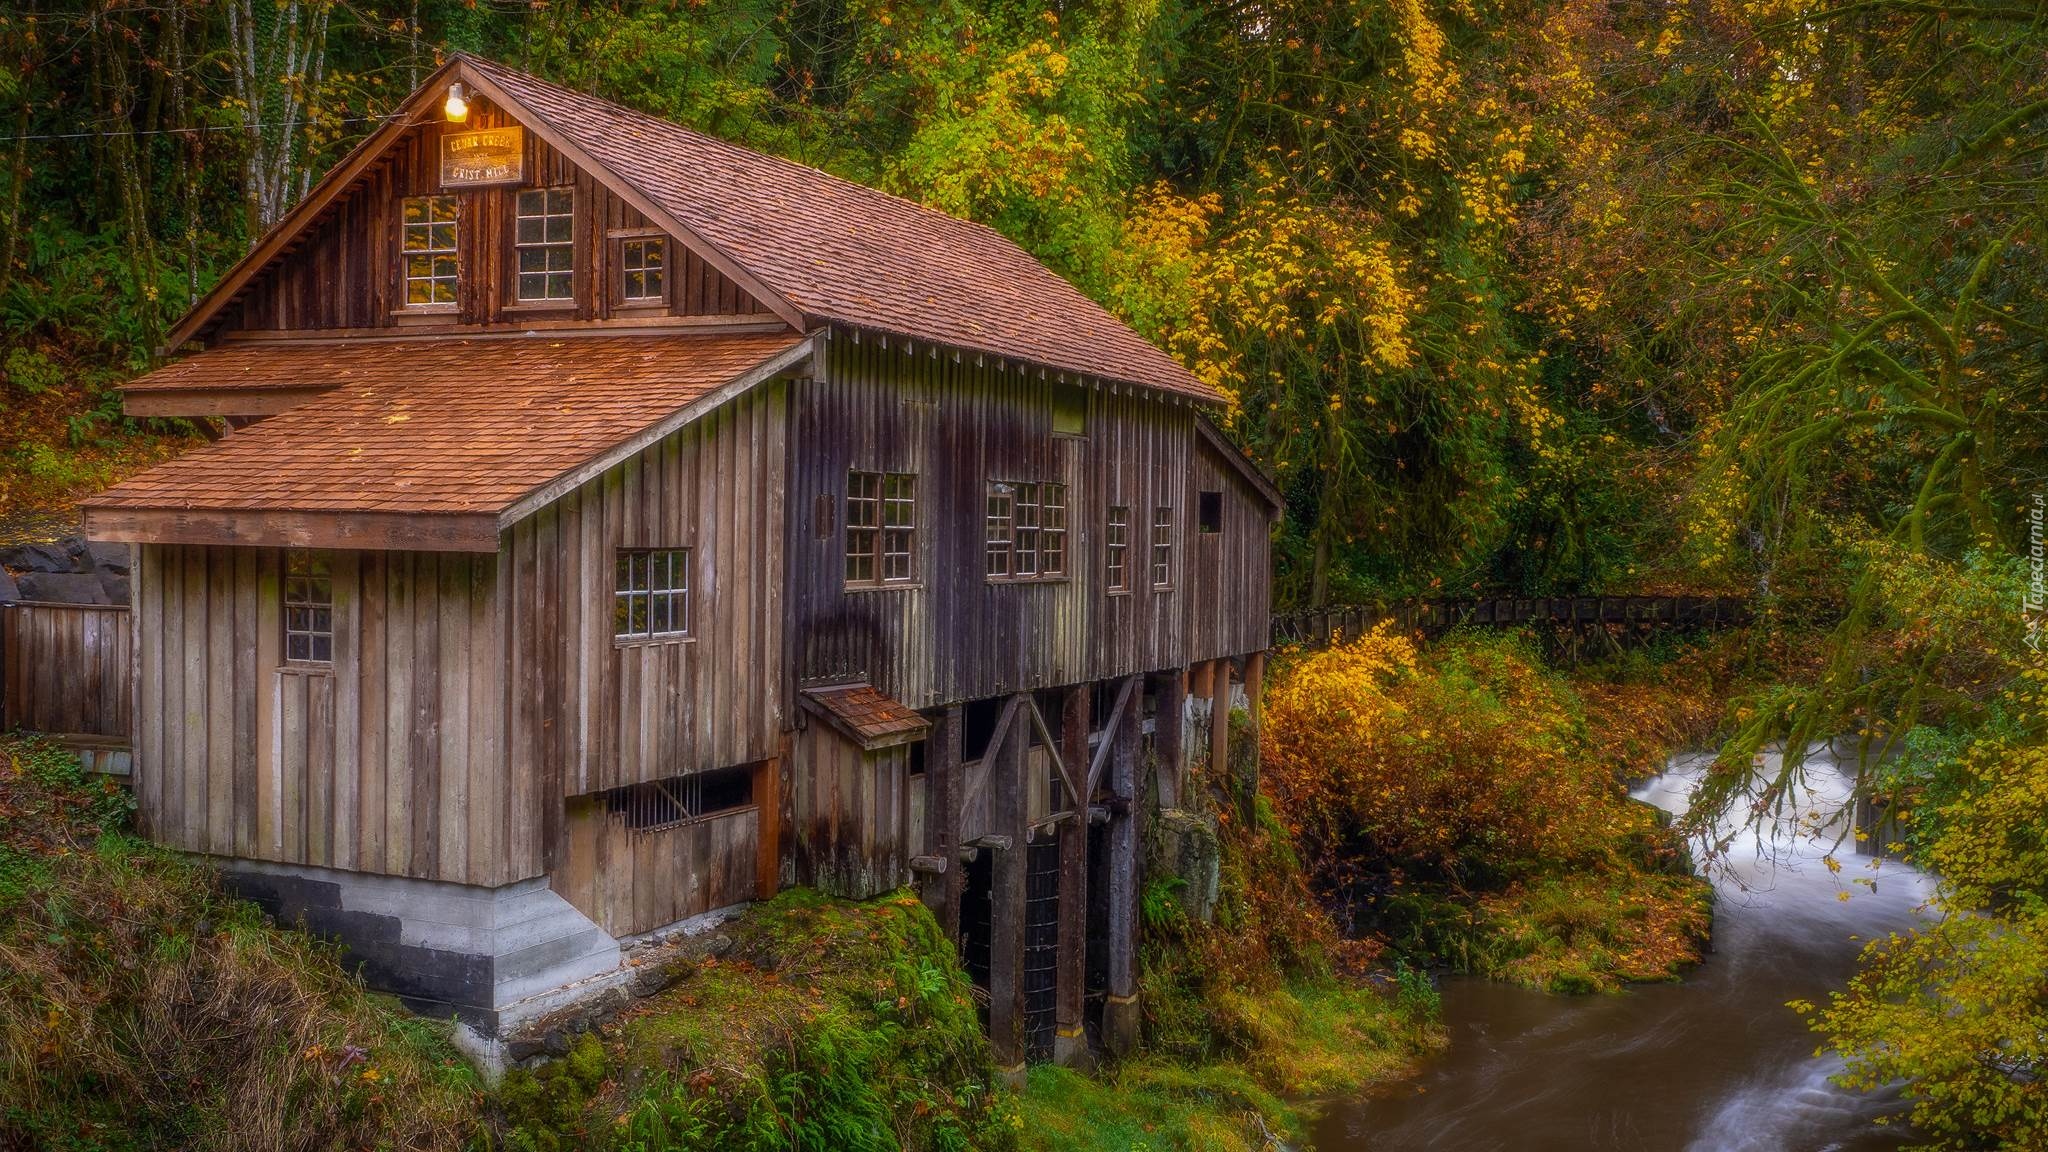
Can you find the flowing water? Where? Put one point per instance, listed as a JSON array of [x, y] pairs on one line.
[[1717, 1063]]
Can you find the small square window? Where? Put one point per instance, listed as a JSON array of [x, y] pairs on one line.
[[651, 594], [643, 270]]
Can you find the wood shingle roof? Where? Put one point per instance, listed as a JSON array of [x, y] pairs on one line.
[[453, 428], [844, 252]]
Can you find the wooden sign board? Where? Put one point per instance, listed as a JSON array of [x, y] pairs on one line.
[[483, 156]]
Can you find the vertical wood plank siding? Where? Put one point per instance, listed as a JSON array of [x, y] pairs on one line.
[[635, 880], [386, 760], [954, 635], [355, 244], [589, 713], [67, 669], [853, 815]]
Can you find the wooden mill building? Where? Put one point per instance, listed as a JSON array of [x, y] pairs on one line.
[[615, 525]]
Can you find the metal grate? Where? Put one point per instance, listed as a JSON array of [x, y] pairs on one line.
[[1041, 946]]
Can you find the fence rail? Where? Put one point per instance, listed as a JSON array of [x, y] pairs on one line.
[[1576, 623], [65, 672]]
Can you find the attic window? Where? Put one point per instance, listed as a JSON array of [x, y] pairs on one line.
[[428, 242], [544, 234], [643, 270], [1210, 512]]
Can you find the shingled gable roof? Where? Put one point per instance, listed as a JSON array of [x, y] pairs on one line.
[[814, 248], [470, 437]]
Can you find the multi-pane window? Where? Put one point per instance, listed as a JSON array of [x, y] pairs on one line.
[[651, 594], [544, 235], [1162, 547], [427, 241], [1026, 531], [308, 608], [643, 265], [881, 527], [1116, 549]]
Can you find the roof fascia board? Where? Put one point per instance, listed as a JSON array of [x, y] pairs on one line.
[[561, 142], [1018, 364], [191, 402], [598, 465], [380, 531], [331, 186], [1238, 460]]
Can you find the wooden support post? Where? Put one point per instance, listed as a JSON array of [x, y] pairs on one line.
[[1219, 722], [1120, 1013], [1007, 815], [1070, 1041], [942, 820], [1170, 691], [1254, 692], [768, 810]]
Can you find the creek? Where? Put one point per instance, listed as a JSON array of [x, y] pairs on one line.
[[1715, 1063]]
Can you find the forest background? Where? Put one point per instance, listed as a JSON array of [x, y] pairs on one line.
[[1537, 296]]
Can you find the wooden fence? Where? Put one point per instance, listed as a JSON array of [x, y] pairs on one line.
[[1573, 626], [65, 671]]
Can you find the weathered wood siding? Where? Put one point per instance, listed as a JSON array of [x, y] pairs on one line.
[[346, 272], [1228, 572], [390, 759], [852, 811], [955, 635], [636, 880], [590, 713], [67, 669]]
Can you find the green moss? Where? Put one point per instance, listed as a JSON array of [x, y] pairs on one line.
[[829, 1024]]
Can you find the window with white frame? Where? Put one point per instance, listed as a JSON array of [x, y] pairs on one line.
[[544, 236], [1162, 547], [651, 594], [427, 242], [1116, 549], [881, 528], [308, 608], [1026, 533]]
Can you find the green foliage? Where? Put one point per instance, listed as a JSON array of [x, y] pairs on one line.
[[129, 971], [1957, 1011], [829, 1025]]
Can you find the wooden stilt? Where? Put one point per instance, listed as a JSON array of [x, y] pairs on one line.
[[1070, 1043], [768, 802], [1120, 1013], [1170, 690], [1006, 936], [1219, 721], [942, 820]]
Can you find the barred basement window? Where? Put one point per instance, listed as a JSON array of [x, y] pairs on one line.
[[1027, 531], [308, 608], [881, 528], [1116, 549], [544, 235], [658, 804], [643, 265], [1162, 547], [651, 594], [427, 241]]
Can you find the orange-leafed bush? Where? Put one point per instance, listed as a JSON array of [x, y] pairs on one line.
[[1469, 764]]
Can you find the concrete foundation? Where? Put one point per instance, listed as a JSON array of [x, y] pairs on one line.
[[487, 956]]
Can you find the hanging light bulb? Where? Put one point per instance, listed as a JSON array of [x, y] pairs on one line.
[[456, 107]]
